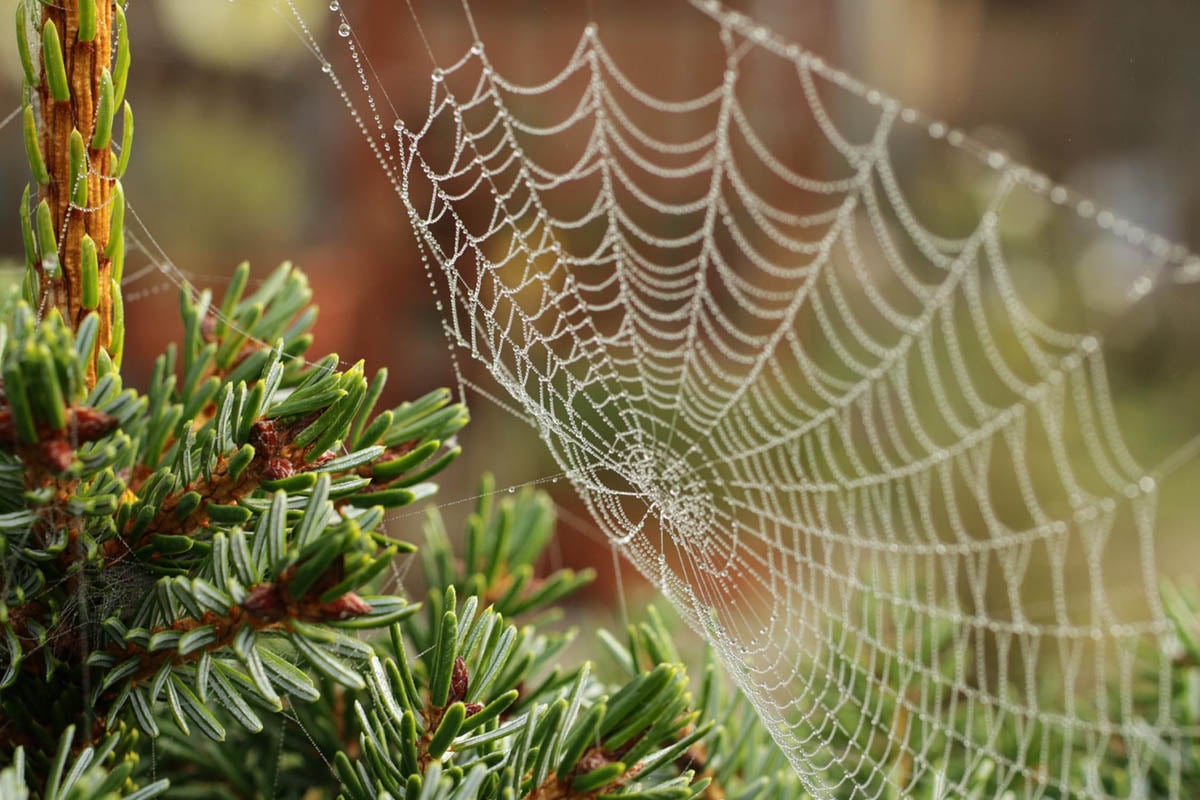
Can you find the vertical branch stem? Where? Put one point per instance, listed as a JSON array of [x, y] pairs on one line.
[[85, 62]]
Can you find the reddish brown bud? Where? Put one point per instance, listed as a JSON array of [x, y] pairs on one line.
[[262, 436], [322, 460], [208, 327], [331, 577], [459, 678], [57, 454], [278, 468], [8, 431], [90, 424], [345, 607], [473, 708], [264, 602], [593, 759]]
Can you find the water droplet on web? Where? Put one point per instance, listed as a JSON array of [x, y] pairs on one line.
[[334, 5], [327, 68], [343, 30], [1141, 287], [512, 489], [398, 125]]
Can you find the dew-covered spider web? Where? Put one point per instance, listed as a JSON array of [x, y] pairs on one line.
[[867, 444]]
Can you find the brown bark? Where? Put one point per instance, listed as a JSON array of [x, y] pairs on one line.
[[85, 62]]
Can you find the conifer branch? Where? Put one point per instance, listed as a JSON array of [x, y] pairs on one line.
[[76, 258]]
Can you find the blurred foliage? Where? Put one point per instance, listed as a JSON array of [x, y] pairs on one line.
[[242, 35]]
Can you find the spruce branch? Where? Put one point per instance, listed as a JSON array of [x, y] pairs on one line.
[[73, 89], [485, 711], [236, 555]]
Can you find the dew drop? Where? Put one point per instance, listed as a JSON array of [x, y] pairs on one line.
[[343, 30], [1141, 287], [334, 5]]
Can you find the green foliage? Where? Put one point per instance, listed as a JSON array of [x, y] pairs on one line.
[[165, 550], [94, 773], [463, 701]]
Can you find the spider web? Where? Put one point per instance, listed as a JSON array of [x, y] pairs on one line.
[[856, 449]]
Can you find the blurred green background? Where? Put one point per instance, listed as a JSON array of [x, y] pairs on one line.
[[244, 151]]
